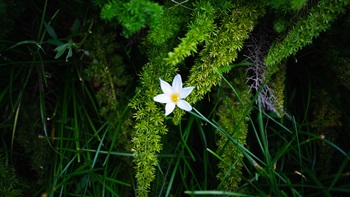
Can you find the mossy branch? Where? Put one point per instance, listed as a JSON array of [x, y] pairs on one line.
[[232, 115], [169, 24], [221, 49], [132, 15], [199, 30], [319, 19], [149, 118]]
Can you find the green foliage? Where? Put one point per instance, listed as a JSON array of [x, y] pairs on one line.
[[220, 50], [320, 18], [169, 25], [34, 145], [233, 117], [9, 183], [150, 119], [336, 50], [199, 30], [286, 5], [149, 124], [106, 70], [280, 26], [327, 123], [68, 128], [340, 64], [223, 45], [62, 49], [132, 15], [111, 81], [277, 88]]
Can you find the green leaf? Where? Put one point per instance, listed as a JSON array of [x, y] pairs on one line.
[[50, 30], [63, 47], [27, 42], [55, 42], [69, 54], [75, 26], [60, 50], [23, 43]]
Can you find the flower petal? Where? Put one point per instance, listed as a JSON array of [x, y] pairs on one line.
[[166, 87], [162, 98], [177, 84], [182, 104], [186, 91], [169, 107]]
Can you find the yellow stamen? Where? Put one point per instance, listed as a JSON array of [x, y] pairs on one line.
[[175, 98]]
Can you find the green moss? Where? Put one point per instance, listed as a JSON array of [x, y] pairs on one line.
[[110, 79], [339, 62], [106, 70], [277, 88], [326, 123], [29, 139], [9, 184]]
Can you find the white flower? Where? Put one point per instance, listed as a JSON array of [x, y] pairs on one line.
[[174, 95]]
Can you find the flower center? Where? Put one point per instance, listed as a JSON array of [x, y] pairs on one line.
[[174, 97]]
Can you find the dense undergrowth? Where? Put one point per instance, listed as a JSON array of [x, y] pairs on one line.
[[270, 103]]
